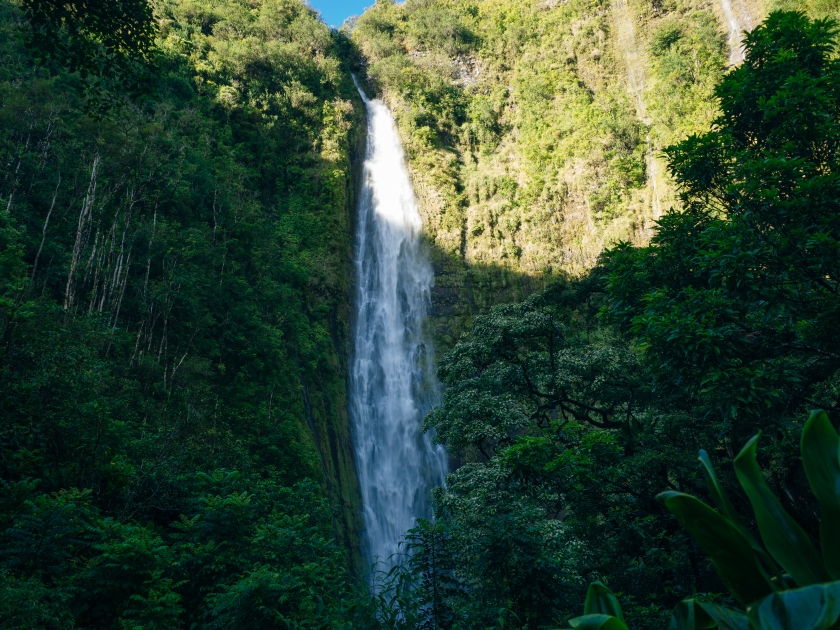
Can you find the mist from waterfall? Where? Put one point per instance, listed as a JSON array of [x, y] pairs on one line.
[[392, 381]]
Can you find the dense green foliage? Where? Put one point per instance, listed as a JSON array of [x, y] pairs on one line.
[[571, 442], [174, 299], [747, 272], [532, 129], [578, 406], [109, 43], [173, 317], [780, 579]]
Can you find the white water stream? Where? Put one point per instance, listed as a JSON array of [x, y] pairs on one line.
[[392, 381], [736, 52]]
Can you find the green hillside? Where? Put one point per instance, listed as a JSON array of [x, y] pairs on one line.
[[664, 209], [175, 316], [534, 128]]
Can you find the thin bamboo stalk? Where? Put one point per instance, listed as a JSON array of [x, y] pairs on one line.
[[44, 230], [84, 215]]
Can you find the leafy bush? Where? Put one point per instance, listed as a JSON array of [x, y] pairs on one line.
[[781, 579]]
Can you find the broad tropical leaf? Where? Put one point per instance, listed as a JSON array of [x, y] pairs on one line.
[[691, 614], [721, 499], [727, 618], [815, 607], [728, 510], [597, 622], [729, 550], [786, 541], [688, 615], [820, 457], [601, 600]]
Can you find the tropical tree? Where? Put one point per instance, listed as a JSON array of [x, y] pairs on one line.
[[736, 298]]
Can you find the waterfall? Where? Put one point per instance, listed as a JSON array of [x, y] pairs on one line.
[[736, 49], [392, 381]]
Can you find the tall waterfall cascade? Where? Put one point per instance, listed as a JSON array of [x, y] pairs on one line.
[[392, 381]]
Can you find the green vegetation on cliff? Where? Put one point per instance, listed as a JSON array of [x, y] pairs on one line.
[[533, 128], [580, 405], [174, 312], [174, 304]]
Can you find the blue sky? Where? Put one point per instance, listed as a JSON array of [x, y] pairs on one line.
[[334, 11]]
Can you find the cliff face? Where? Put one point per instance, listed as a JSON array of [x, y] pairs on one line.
[[534, 128], [324, 395], [188, 256]]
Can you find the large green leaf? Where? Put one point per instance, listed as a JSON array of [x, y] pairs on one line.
[[815, 607], [729, 550], [719, 496], [691, 614], [820, 445], [728, 510], [687, 615], [597, 622], [727, 618], [786, 541], [601, 600]]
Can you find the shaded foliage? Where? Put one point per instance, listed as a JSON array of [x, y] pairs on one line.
[[173, 312], [736, 295], [108, 42], [576, 407]]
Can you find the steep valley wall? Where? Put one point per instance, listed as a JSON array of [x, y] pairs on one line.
[[534, 129], [184, 267]]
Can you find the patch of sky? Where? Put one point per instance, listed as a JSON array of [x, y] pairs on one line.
[[334, 12]]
